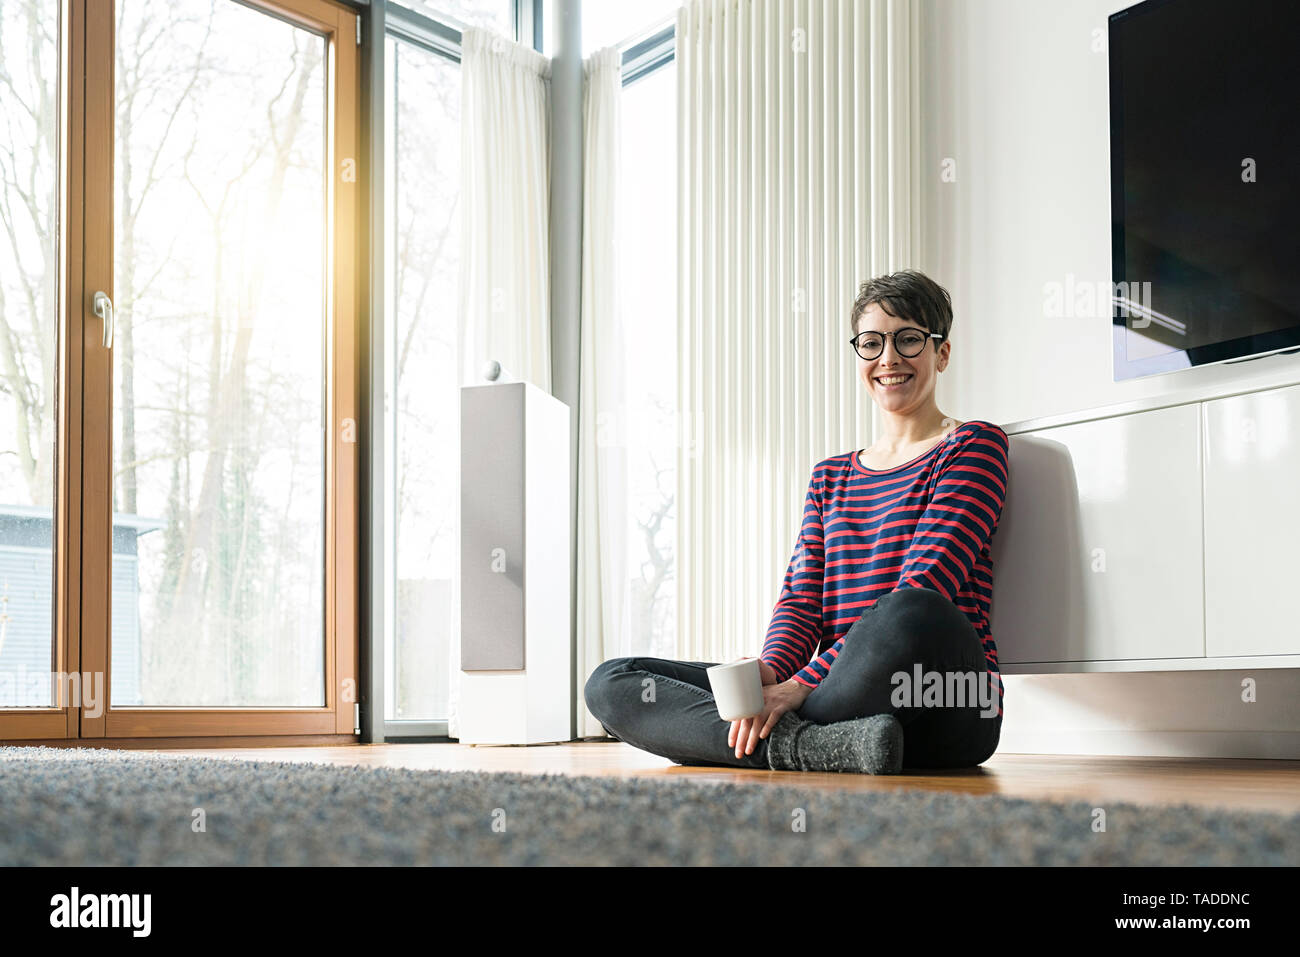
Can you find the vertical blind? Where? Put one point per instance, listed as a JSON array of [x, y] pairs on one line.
[[797, 166]]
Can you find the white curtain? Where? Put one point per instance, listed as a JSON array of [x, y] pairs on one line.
[[604, 614], [797, 159], [504, 280]]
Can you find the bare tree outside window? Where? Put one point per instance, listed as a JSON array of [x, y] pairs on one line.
[[647, 281], [29, 45], [218, 477]]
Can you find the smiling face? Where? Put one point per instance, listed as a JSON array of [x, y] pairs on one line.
[[916, 393]]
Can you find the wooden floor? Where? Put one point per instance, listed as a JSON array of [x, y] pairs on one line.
[[1242, 784]]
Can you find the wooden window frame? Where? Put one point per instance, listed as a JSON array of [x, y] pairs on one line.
[[83, 459]]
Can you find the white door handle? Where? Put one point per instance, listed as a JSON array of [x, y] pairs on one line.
[[104, 309]]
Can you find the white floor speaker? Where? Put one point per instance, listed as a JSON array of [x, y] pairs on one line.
[[515, 553]]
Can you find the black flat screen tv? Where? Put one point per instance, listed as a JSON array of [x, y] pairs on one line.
[[1205, 182]]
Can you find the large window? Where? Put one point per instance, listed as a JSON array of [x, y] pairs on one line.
[[178, 507], [422, 256], [179, 195], [219, 265], [647, 282], [29, 271]]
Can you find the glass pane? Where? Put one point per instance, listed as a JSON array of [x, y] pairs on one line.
[[496, 15], [219, 358], [647, 291], [424, 258], [610, 22], [29, 67]]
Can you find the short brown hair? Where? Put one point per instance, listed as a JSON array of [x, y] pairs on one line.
[[908, 294]]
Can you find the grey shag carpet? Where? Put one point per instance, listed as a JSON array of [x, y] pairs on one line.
[[99, 807]]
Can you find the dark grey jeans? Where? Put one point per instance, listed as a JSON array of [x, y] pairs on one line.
[[666, 707]]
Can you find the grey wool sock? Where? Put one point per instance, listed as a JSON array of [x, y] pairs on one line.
[[872, 745]]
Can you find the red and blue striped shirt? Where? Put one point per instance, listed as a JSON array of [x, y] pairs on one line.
[[865, 533]]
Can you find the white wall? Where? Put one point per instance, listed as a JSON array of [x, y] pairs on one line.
[[1013, 92]]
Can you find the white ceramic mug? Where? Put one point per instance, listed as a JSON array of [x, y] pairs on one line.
[[737, 689]]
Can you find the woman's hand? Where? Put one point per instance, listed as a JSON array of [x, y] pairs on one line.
[[789, 695]]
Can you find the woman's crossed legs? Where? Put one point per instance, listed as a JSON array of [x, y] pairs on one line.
[[666, 707]]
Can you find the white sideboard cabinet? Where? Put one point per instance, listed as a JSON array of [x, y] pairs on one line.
[[1252, 523], [1158, 539]]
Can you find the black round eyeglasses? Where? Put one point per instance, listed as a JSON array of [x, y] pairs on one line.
[[908, 342]]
